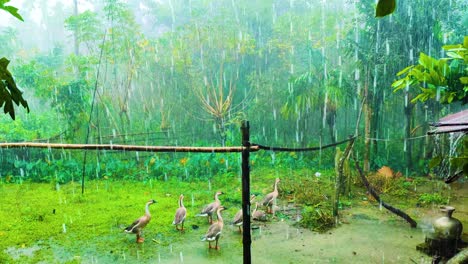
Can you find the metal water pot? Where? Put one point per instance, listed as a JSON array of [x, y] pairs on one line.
[[447, 227]]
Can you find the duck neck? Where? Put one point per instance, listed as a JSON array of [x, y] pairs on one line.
[[216, 197], [220, 218], [276, 187], [181, 202], [147, 212]]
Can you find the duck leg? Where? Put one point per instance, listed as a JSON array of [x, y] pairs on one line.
[[270, 209], [139, 238], [216, 247]]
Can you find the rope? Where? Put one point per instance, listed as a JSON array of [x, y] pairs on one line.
[[303, 149], [396, 139]]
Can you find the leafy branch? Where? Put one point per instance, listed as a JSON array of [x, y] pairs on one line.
[[9, 92], [10, 9], [444, 79]]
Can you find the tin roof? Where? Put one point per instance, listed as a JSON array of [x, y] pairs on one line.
[[457, 122]]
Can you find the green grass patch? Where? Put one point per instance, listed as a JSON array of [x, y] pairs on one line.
[[54, 222]]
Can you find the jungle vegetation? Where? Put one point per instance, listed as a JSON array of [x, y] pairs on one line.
[[186, 73], [177, 73]]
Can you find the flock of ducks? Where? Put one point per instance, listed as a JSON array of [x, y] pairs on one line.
[[214, 231]]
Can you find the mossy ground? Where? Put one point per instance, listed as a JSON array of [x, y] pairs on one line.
[[57, 224]]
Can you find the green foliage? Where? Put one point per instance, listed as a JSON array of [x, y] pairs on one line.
[[10, 9], [385, 7], [73, 101], [38, 78], [427, 199], [317, 218], [443, 80], [9, 92], [460, 163], [85, 26]]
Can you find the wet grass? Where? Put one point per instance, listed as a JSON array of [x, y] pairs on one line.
[[51, 223], [48, 222]]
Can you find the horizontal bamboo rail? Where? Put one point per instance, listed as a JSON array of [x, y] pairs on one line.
[[125, 147]]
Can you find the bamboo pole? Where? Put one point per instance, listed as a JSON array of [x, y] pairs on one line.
[[127, 147], [246, 236]]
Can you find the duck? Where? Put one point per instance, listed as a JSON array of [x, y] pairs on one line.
[[238, 218], [215, 229], [258, 215], [270, 198], [211, 208], [180, 214], [137, 225]]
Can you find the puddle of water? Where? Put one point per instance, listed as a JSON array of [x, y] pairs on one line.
[[17, 253]]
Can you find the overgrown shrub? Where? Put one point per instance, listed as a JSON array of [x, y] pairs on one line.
[[318, 218]]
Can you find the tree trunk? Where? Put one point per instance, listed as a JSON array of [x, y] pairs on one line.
[[367, 122], [374, 194], [408, 143], [376, 120], [75, 37]]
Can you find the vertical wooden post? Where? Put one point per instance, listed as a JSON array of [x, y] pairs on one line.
[[246, 236], [339, 178]]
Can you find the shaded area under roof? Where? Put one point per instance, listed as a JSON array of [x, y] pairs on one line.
[[457, 122]]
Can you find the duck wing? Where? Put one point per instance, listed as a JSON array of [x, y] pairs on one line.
[[133, 227], [268, 199], [179, 216], [259, 215], [209, 209], [214, 231], [237, 218]]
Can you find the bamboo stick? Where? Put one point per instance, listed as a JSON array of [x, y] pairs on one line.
[[125, 147]]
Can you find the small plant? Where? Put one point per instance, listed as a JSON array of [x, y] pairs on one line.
[[431, 198]]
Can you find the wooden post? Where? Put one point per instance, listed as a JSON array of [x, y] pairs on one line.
[[339, 178], [246, 236]]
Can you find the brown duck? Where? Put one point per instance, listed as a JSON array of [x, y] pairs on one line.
[[211, 208], [140, 223], [270, 198], [259, 215], [180, 215], [238, 218], [214, 231]]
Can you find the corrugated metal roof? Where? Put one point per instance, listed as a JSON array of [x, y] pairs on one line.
[[457, 122]]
